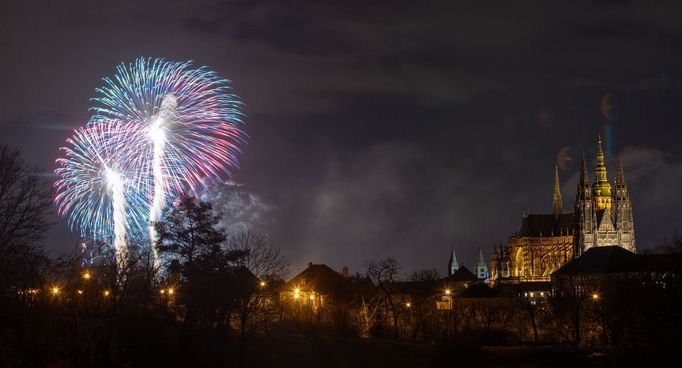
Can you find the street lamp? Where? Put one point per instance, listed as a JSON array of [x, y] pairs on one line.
[[170, 291], [86, 275], [262, 284], [595, 296], [55, 290], [106, 293], [408, 305], [447, 291]]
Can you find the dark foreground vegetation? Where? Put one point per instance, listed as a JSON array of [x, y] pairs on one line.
[[220, 300]]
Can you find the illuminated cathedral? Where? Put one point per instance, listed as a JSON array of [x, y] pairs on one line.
[[602, 216]]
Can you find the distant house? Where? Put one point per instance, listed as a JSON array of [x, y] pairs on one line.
[[477, 292], [601, 265], [434, 293], [315, 286], [460, 279], [536, 291]]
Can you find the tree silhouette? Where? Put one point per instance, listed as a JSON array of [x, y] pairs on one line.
[[25, 202]]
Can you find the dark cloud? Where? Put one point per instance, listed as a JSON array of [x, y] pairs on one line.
[[387, 128]]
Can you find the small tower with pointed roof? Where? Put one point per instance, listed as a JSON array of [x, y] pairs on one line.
[[557, 201], [481, 267], [453, 266]]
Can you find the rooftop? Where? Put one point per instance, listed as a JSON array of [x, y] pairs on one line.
[[319, 278], [535, 225], [614, 259]]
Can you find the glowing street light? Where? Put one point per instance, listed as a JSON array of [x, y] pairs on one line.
[[170, 291], [408, 305], [86, 275], [447, 291], [106, 293], [80, 292], [55, 290], [163, 291], [262, 284], [595, 296]]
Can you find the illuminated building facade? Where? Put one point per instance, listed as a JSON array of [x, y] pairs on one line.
[[543, 243]]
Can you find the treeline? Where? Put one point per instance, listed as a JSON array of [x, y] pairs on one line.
[[628, 316]]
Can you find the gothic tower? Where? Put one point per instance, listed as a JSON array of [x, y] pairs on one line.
[[602, 216], [584, 219], [622, 210], [557, 202]]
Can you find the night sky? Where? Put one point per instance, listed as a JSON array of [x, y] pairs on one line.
[[383, 128]]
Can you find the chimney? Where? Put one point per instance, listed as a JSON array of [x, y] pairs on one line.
[[310, 264], [344, 272]]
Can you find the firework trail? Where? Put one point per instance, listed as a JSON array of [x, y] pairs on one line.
[[192, 123], [157, 134], [116, 191], [98, 188]]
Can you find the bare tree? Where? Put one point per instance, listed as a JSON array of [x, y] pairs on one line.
[[261, 258], [367, 301], [425, 275], [384, 274], [567, 307], [252, 252], [531, 308], [672, 245], [25, 201]]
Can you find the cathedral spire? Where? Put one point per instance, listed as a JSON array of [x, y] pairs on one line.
[[601, 188], [557, 202], [583, 191], [453, 266], [621, 187], [583, 174], [622, 210], [620, 175], [600, 169]]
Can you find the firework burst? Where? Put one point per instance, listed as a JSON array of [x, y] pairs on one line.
[[160, 129], [99, 186], [189, 112]]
